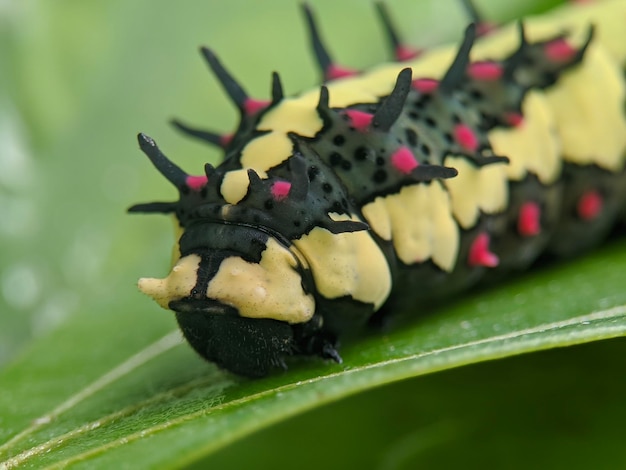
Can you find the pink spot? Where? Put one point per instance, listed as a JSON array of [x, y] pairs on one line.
[[404, 160], [280, 190], [425, 85], [487, 71], [589, 205], [465, 137], [485, 27], [559, 50], [529, 219], [403, 53], [196, 182], [226, 139], [336, 71], [252, 106], [479, 253], [358, 119], [513, 119]]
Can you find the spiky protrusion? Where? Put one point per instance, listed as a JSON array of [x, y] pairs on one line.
[[399, 48], [330, 70], [456, 72], [483, 27], [172, 172], [391, 108], [277, 89], [235, 91], [213, 138], [190, 187]]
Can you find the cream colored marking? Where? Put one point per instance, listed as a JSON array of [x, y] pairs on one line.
[[534, 145], [176, 285], [271, 288], [267, 151], [235, 185], [346, 264], [294, 115], [377, 217], [588, 105], [475, 189], [420, 220]]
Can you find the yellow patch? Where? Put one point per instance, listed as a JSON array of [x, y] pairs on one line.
[[588, 105], [235, 186], [266, 151], [176, 285], [271, 288], [346, 264], [378, 218], [475, 189], [294, 115], [419, 220], [533, 146]]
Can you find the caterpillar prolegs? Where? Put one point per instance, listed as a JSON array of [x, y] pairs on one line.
[[405, 183]]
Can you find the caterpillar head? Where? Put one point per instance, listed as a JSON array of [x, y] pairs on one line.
[[243, 294]]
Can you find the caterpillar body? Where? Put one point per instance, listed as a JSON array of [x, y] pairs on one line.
[[405, 183]]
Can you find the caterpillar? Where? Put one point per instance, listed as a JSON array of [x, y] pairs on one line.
[[403, 184]]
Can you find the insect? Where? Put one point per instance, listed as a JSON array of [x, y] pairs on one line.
[[408, 182]]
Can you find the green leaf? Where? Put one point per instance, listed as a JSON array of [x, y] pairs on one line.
[[96, 375]]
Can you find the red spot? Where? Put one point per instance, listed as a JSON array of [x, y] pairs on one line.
[[487, 71], [479, 253], [529, 219], [337, 71], [589, 205], [358, 119], [465, 137], [485, 27], [559, 50], [280, 190], [513, 119], [196, 182], [403, 53], [425, 85], [226, 139], [404, 160], [252, 106]]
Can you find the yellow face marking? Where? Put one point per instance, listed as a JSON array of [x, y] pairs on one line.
[[430, 232], [475, 189], [534, 145], [176, 285], [270, 289], [346, 264]]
